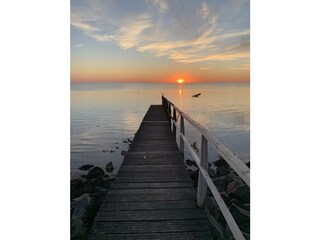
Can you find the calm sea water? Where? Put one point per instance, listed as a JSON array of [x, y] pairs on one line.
[[104, 115]]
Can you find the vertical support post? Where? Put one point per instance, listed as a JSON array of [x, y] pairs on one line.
[[202, 185], [174, 128], [181, 132], [169, 111]]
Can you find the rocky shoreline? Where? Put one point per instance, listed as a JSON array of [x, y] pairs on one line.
[[87, 193], [235, 193]]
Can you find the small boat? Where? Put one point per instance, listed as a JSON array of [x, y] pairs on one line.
[[196, 95]]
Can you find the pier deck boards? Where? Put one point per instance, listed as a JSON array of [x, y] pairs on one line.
[[152, 196]]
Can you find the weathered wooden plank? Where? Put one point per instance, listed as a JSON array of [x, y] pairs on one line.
[[150, 161], [149, 197], [151, 191], [150, 215], [151, 168], [147, 177], [156, 205], [143, 227], [177, 173], [153, 153], [156, 236], [152, 185]]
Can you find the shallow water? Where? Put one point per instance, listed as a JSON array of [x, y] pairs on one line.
[[103, 115]]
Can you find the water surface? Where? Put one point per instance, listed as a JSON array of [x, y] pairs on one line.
[[104, 115]]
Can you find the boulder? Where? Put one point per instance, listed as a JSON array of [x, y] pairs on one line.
[[239, 214], [210, 203], [245, 227], [77, 186], [79, 216], [96, 182], [246, 206], [225, 198], [223, 170], [219, 229], [191, 163], [232, 185], [124, 153], [211, 173], [95, 173], [230, 177], [194, 176], [221, 162], [86, 167], [220, 184], [109, 167], [241, 193]]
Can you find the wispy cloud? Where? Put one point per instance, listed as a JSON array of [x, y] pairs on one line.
[[162, 5], [79, 45], [203, 11], [129, 33]]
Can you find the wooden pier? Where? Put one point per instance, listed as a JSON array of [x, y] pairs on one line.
[[152, 196]]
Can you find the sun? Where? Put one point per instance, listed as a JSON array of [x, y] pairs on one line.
[[180, 80]]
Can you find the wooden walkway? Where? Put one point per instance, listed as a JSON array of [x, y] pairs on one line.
[[152, 196]]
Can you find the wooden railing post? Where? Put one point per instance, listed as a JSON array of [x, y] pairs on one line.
[[202, 184], [174, 128], [181, 132]]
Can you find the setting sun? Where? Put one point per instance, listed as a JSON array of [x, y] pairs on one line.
[[180, 80]]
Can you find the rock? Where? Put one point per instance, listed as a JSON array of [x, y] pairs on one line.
[[239, 214], [246, 206], [191, 163], [210, 203], [194, 176], [221, 162], [77, 187], [220, 184], [124, 141], [248, 164], [79, 216], [111, 151], [77, 183], [79, 206], [230, 177], [109, 167], [245, 227], [232, 185], [219, 229], [104, 151], [225, 198], [223, 170], [95, 173], [123, 153], [117, 147], [96, 182], [211, 173], [78, 230], [86, 167], [241, 193]]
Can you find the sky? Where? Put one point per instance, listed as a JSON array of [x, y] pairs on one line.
[[160, 40]]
